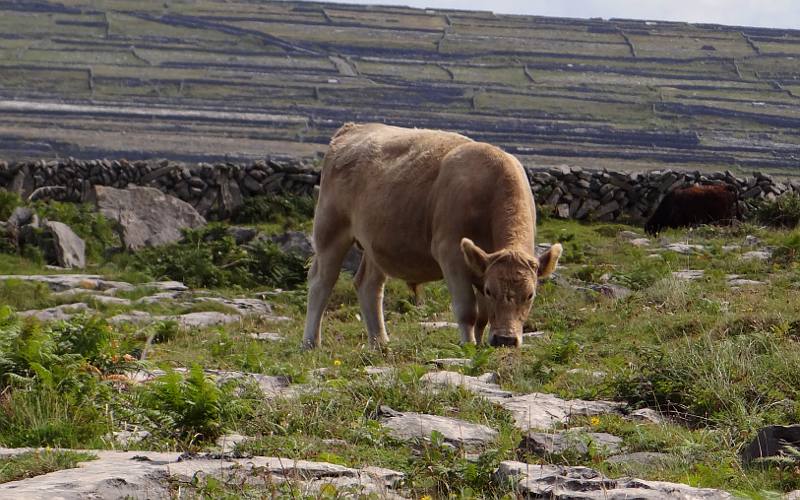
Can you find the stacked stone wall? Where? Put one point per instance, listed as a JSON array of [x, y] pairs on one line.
[[218, 190]]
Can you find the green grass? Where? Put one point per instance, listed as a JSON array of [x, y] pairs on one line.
[[36, 463], [720, 362]]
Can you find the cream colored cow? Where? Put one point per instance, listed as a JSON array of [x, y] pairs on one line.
[[427, 204]]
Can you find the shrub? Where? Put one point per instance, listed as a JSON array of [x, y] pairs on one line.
[[191, 407], [282, 210], [783, 211], [8, 202], [209, 257]]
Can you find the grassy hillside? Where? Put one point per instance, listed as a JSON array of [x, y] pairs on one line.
[[214, 80]]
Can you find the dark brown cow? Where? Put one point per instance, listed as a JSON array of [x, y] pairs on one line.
[[695, 205]]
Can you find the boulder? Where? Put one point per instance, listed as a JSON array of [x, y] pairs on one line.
[[146, 216], [69, 249], [23, 216], [772, 441]]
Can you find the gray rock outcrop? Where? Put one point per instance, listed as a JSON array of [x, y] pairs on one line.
[[411, 426], [567, 483], [148, 475], [146, 216]]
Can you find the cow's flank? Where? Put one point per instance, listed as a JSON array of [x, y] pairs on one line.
[[426, 205], [695, 205]]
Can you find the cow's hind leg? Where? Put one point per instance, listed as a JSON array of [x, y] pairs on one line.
[[369, 283], [331, 241]]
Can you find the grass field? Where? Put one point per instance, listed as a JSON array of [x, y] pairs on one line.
[[718, 361]]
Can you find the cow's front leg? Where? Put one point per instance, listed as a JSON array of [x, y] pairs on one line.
[[369, 281], [464, 304], [483, 317]]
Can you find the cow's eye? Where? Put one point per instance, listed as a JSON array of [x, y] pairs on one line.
[[487, 292], [530, 296]]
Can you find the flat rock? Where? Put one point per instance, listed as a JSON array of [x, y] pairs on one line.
[[271, 386], [648, 415], [534, 335], [445, 362], [166, 286], [530, 411], [58, 313], [640, 242], [684, 248], [473, 384], [159, 297], [437, 325], [731, 248], [411, 426], [573, 442], [147, 475], [761, 255], [546, 411], [241, 305], [70, 249], [267, 336], [596, 374], [689, 274], [628, 235], [745, 282], [134, 317], [146, 216], [189, 320], [649, 458], [565, 482], [206, 318]]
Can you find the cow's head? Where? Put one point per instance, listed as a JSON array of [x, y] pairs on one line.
[[507, 280]]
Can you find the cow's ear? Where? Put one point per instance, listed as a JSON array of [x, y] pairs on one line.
[[477, 260], [548, 260]]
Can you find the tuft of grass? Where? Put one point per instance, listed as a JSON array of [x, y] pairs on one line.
[[783, 211], [36, 463]]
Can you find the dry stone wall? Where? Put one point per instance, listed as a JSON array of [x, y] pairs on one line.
[[607, 195], [218, 190]]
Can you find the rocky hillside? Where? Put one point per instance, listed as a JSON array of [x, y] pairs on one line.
[[212, 80]]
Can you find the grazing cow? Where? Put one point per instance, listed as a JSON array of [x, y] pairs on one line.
[[427, 204], [695, 205]]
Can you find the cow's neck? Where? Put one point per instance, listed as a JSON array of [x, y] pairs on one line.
[[512, 223]]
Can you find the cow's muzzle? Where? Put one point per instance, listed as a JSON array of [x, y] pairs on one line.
[[505, 341]]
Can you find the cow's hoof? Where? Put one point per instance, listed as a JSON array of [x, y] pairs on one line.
[[309, 345]]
